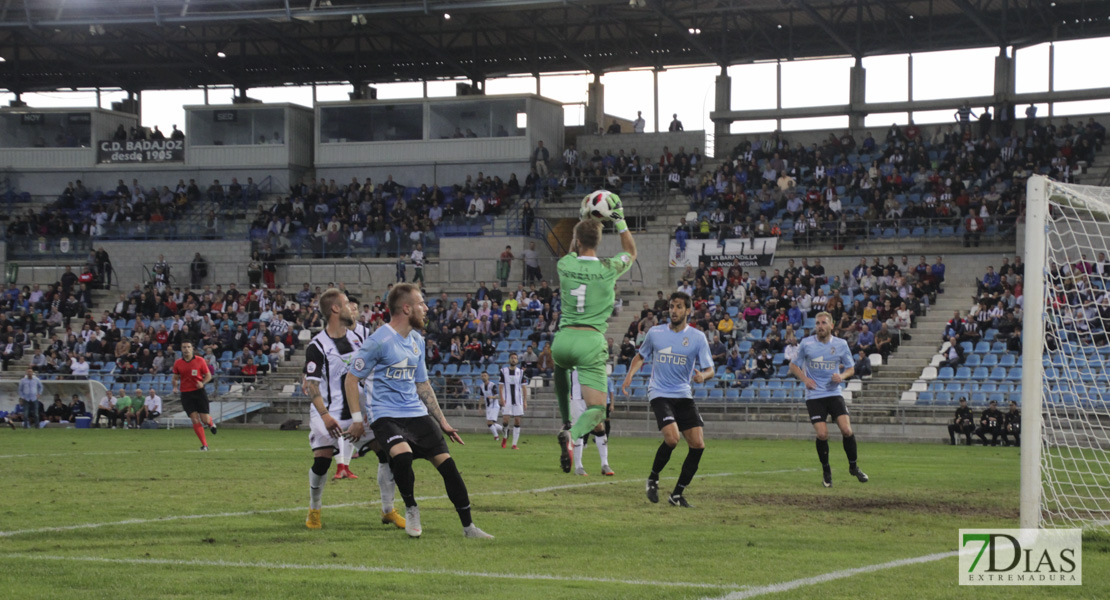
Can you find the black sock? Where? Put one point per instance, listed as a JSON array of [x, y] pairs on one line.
[[662, 455], [456, 490], [383, 457], [401, 465], [689, 468], [320, 465], [823, 451], [850, 450]]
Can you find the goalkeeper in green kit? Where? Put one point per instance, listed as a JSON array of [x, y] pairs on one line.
[[587, 292]]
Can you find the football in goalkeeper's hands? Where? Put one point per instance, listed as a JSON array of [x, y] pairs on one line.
[[600, 205]]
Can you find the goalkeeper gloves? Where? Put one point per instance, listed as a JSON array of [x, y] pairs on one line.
[[616, 213]]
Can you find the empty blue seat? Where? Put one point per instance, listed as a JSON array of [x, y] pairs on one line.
[[979, 374], [990, 360], [1014, 374], [998, 373], [946, 373], [972, 361], [1007, 360], [982, 347], [963, 373]]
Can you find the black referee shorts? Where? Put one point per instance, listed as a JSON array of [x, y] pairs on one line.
[[680, 411], [422, 434], [195, 401], [819, 408]]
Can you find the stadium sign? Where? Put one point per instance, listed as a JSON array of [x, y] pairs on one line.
[[1021, 557], [141, 151], [750, 252]]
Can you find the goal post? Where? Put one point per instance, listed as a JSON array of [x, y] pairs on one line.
[[1065, 438], [1032, 350]]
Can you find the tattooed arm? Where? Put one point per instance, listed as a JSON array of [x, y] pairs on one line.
[[311, 389], [428, 396]]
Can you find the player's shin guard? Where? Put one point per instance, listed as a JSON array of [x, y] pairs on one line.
[[849, 449], [401, 465], [456, 490], [662, 455], [562, 393], [317, 478], [602, 443], [689, 468], [823, 450], [346, 449], [199, 430], [386, 485], [587, 421]]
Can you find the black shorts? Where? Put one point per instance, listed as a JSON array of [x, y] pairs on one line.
[[820, 407], [195, 401], [680, 411], [422, 434]]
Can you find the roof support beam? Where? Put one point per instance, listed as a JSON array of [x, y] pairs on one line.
[[693, 39], [827, 28], [975, 17]]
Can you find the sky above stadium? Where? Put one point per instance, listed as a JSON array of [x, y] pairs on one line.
[[688, 91]]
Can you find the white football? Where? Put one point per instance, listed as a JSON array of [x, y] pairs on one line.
[[598, 205]]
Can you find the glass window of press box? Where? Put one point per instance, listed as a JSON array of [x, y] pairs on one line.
[[45, 130], [236, 127], [371, 123], [478, 119]]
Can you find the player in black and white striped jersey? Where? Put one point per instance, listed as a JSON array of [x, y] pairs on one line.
[[346, 448], [514, 398], [491, 400]]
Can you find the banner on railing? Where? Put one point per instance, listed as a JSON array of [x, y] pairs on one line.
[[141, 151], [750, 252]]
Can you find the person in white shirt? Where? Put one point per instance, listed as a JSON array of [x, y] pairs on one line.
[[79, 367], [107, 408], [639, 124], [152, 407]]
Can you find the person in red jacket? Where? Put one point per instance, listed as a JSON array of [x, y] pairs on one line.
[[973, 229], [193, 374]]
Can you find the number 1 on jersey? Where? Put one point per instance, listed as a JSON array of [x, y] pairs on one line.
[[580, 293]]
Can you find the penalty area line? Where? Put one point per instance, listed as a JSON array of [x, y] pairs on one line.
[[245, 513], [786, 586], [366, 569]]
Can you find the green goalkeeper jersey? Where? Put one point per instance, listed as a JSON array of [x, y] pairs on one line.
[[587, 288]]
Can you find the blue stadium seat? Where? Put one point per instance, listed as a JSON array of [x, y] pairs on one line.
[[946, 373], [1014, 374], [925, 397], [979, 374], [1007, 360], [990, 360], [998, 374], [451, 369], [963, 373], [972, 361], [748, 394], [716, 394], [982, 347], [732, 395]]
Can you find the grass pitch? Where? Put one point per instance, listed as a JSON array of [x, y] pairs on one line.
[[144, 514]]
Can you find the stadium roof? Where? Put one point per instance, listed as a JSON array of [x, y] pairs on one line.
[[167, 44]]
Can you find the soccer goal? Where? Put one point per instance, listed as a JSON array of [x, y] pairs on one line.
[[1065, 453]]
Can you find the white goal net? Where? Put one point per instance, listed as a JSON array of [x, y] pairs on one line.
[[1066, 357]]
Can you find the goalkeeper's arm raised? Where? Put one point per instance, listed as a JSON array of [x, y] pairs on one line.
[[617, 216]]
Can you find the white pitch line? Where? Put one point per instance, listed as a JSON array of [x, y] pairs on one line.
[[786, 586], [145, 452], [368, 569], [553, 488]]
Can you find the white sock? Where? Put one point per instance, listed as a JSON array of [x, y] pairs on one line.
[[493, 429], [386, 485], [346, 449], [516, 435], [316, 489], [602, 443], [578, 445], [505, 430]]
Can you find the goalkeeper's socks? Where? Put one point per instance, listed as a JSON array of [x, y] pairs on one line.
[[823, 451]]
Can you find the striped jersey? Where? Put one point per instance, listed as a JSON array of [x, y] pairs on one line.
[[512, 385], [326, 361], [489, 391]]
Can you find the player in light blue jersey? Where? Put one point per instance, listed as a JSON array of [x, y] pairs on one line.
[[679, 354], [819, 363], [408, 422]]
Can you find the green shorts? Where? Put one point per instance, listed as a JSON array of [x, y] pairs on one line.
[[585, 350]]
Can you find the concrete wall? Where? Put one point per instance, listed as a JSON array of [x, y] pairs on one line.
[[443, 175], [651, 257], [649, 146], [52, 182]]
